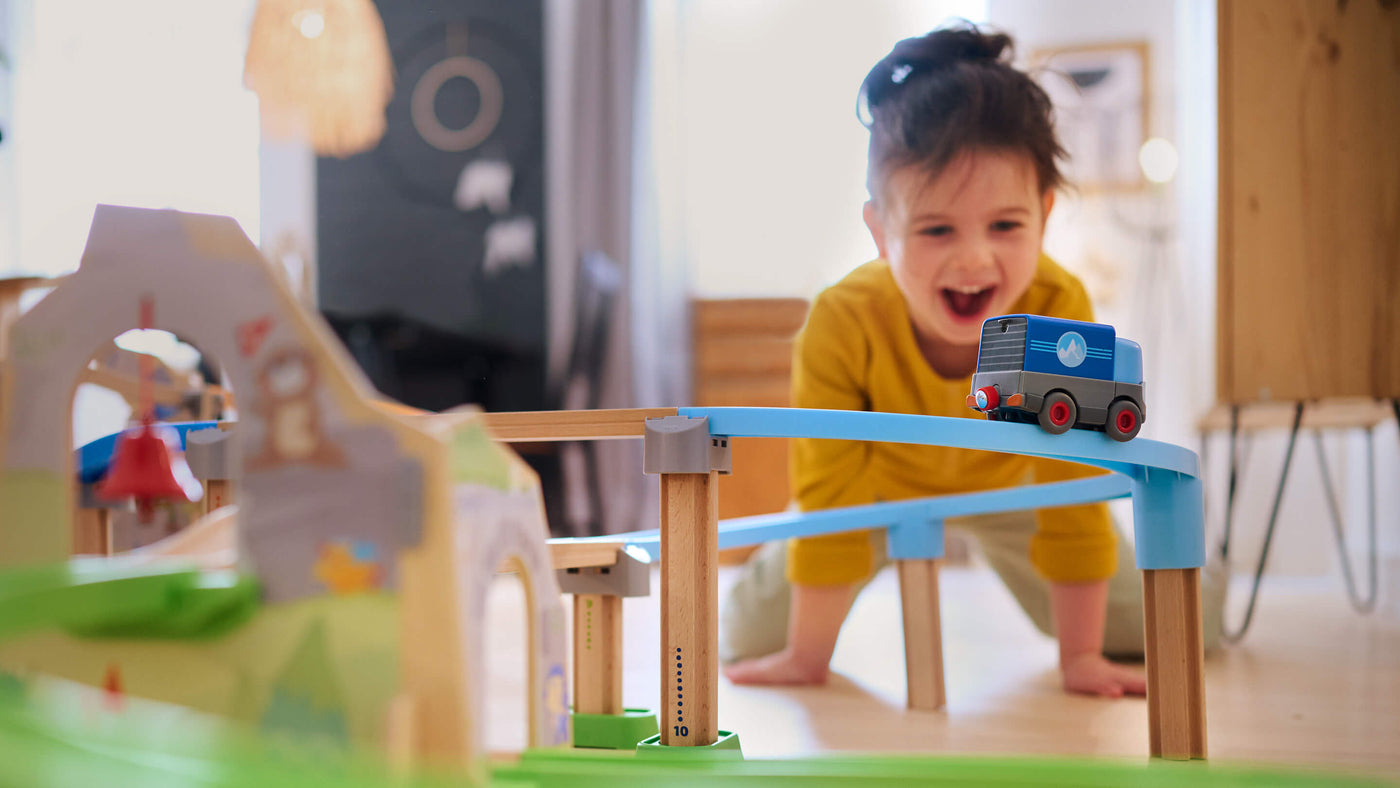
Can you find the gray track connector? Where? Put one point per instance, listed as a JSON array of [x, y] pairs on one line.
[[210, 454], [682, 444], [720, 457], [628, 577]]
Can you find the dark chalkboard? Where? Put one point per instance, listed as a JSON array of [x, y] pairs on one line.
[[431, 246]]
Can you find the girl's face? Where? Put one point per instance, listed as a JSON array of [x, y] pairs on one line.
[[963, 246]]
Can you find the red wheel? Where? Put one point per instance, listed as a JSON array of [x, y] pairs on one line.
[[987, 398], [1058, 413], [1124, 420]]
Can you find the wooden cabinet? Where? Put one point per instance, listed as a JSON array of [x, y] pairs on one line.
[[1309, 264], [743, 356]]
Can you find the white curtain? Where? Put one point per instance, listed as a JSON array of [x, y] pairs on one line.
[[591, 66], [661, 276]]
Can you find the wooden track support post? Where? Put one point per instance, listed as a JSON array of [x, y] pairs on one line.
[[923, 633], [689, 460], [598, 592], [210, 457], [598, 654], [1175, 673], [92, 531], [689, 609], [401, 734], [217, 494]]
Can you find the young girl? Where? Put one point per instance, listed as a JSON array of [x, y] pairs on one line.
[[962, 177]]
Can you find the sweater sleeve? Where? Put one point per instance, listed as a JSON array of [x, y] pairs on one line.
[[830, 358]]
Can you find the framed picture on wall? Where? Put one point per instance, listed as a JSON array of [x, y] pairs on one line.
[[1100, 93]]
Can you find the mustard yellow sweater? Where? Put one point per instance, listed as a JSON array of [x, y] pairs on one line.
[[857, 351]]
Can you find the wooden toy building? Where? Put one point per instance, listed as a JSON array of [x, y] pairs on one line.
[[372, 537]]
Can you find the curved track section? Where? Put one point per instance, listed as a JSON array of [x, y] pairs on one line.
[[1082, 446], [1168, 508], [1162, 479]]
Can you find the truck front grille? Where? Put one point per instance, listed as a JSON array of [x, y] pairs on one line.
[[1003, 345]]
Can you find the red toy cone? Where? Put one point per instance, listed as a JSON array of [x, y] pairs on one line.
[[112, 685]]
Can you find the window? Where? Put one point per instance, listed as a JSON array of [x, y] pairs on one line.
[[134, 103]]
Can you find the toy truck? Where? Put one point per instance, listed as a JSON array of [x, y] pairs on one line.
[[1059, 373]]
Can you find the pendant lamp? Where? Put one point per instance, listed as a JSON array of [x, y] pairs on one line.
[[322, 71]]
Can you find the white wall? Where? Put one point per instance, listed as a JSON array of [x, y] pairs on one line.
[[8, 241], [135, 103], [772, 162]]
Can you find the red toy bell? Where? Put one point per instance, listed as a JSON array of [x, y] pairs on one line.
[[147, 464], [144, 467]]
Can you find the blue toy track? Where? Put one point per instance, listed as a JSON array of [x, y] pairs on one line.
[[1162, 478]]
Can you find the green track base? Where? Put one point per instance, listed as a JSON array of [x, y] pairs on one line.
[[614, 731], [726, 748]]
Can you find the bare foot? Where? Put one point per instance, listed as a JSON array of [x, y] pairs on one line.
[[777, 668], [1091, 674]]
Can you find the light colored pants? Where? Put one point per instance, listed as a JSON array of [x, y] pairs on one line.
[[754, 618]]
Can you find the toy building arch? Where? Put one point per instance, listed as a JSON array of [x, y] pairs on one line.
[[505, 540], [209, 283]]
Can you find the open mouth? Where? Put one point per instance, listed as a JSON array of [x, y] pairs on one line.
[[966, 303]]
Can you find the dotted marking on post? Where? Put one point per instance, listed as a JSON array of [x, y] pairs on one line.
[[680, 712]]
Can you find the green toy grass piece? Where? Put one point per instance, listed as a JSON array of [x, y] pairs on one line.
[[80, 594], [105, 598], [204, 605], [614, 731]]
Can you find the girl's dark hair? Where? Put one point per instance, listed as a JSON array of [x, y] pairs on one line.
[[949, 92]]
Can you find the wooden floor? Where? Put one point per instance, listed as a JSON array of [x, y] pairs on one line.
[[1313, 683]]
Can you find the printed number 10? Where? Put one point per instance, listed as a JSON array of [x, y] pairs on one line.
[[681, 730]]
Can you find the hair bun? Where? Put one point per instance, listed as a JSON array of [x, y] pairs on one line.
[[944, 48], [948, 46], [954, 90]]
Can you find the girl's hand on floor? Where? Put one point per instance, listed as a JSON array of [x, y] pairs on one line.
[[1092, 674], [781, 667]]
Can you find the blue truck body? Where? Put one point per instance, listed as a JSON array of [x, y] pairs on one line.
[[1065, 347]]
